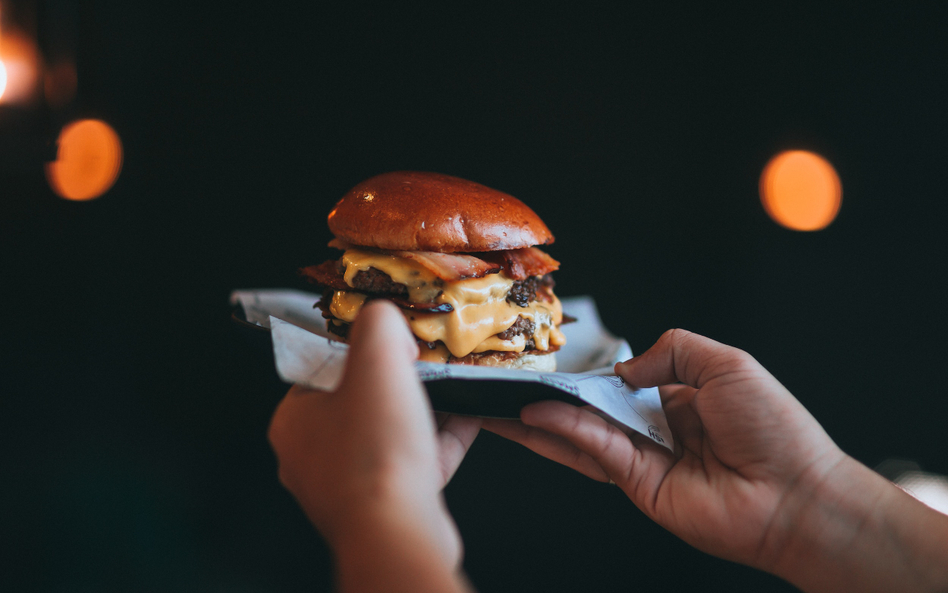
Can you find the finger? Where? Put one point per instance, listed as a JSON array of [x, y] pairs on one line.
[[546, 444], [455, 436], [683, 420], [676, 393], [380, 364], [281, 422], [680, 355], [637, 470], [284, 434]]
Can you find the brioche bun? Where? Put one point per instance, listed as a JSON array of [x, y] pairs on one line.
[[524, 361], [417, 211]]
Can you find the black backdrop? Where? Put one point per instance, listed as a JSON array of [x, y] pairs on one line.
[[134, 414]]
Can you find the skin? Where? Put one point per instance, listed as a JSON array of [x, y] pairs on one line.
[[368, 462], [755, 479]]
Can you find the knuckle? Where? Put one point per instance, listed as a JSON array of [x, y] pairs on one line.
[[739, 360], [275, 430], [283, 476], [273, 435], [677, 335]]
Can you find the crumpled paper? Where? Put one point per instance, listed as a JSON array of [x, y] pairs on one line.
[[305, 354]]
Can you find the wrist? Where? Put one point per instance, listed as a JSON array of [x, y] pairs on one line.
[[380, 521], [394, 538], [852, 530]]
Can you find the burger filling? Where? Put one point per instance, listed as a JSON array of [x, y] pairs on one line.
[[458, 306]]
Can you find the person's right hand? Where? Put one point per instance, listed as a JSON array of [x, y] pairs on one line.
[[748, 454], [754, 479]]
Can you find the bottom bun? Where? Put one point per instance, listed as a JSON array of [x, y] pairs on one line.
[[543, 363]]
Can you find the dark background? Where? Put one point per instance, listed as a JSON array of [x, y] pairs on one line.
[[133, 413]]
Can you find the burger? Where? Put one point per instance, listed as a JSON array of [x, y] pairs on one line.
[[461, 261]]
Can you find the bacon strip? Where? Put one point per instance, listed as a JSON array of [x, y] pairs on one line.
[[451, 267], [520, 264], [517, 264], [338, 243], [325, 274]]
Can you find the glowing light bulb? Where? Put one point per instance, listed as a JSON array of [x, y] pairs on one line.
[[800, 190], [88, 160]]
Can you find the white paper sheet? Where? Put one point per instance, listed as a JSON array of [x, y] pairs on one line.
[[304, 355]]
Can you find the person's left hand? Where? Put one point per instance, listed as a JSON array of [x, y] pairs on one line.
[[372, 453]]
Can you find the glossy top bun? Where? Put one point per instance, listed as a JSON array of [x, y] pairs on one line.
[[414, 211]]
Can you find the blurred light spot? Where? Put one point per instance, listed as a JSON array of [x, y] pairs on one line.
[[932, 489], [60, 84], [21, 63], [3, 78], [87, 162], [800, 190]]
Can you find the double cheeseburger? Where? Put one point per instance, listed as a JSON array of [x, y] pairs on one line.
[[460, 260]]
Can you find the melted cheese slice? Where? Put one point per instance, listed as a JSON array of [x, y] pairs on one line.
[[423, 286], [481, 310]]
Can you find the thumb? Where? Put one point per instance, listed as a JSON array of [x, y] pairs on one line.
[[679, 355]]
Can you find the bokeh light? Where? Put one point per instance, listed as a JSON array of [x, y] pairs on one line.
[[932, 489], [801, 190], [88, 160], [3, 78], [21, 64]]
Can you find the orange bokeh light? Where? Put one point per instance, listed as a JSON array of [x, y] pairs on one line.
[[801, 190], [3, 78], [88, 160], [21, 65]]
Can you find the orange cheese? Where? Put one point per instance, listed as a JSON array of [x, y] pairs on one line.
[[481, 310]]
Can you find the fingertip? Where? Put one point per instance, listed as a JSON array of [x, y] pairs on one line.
[[626, 369], [373, 313], [381, 320], [381, 354]]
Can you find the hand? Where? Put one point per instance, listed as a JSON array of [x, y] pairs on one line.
[[367, 457], [744, 444], [755, 479]]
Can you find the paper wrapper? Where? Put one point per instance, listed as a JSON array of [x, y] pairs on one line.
[[304, 354]]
